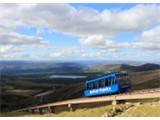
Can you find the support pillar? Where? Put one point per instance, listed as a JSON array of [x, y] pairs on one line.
[[51, 109], [70, 106], [29, 110], [40, 111], [114, 103], [32, 110]]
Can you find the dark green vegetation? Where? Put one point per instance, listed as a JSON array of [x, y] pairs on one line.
[[29, 83]]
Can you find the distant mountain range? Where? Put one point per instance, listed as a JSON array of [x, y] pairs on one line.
[[23, 80], [75, 67], [144, 67]]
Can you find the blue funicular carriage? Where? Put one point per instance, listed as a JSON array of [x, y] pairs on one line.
[[110, 83]]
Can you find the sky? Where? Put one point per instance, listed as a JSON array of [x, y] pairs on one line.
[[80, 32]]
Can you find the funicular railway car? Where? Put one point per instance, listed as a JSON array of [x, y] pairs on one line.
[[108, 84]]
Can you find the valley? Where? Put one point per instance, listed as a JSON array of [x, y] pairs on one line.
[[33, 86]]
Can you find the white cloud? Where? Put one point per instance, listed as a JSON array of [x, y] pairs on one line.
[[95, 40], [13, 38], [79, 22], [152, 35], [148, 40], [4, 49], [100, 41], [17, 46], [65, 18], [94, 28], [77, 53]]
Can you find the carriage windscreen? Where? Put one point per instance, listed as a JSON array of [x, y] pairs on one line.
[[101, 83], [123, 78]]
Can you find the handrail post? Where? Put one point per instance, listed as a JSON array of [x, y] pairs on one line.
[[114, 103], [51, 109], [70, 106], [40, 111]]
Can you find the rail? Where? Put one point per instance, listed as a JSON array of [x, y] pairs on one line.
[[141, 94]]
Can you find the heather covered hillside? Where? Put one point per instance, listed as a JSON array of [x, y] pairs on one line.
[[31, 85]]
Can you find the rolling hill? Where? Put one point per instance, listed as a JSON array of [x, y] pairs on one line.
[[144, 67], [32, 85]]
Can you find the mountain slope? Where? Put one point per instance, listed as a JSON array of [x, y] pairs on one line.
[[144, 67]]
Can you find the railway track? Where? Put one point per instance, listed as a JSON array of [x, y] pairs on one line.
[[139, 94], [142, 91]]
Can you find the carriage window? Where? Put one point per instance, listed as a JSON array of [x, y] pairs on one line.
[[93, 85], [96, 84], [106, 81], [123, 76], [115, 81], [109, 82], [101, 83], [112, 80], [118, 76], [88, 86]]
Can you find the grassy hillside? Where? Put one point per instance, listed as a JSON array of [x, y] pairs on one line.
[[31, 86], [145, 79], [104, 68], [144, 67], [146, 108]]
